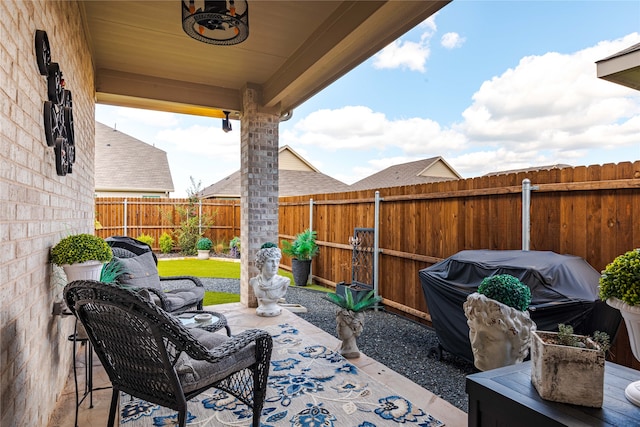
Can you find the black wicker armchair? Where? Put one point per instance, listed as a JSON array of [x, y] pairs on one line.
[[174, 294], [149, 354]]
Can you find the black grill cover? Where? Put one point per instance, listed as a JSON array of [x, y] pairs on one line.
[[564, 289]]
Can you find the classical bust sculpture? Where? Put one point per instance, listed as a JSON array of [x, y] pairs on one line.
[[499, 334], [268, 286]]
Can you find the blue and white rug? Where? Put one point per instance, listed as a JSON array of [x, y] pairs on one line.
[[309, 386]]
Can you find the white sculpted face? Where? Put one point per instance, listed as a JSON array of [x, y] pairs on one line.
[[492, 347], [270, 267], [499, 334]]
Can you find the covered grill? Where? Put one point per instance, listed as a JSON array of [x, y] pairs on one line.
[[564, 289]]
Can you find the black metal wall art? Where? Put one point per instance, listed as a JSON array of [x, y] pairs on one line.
[[58, 109]]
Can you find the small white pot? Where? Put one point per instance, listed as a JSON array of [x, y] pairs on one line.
[[203, 254], [89, 270], [631, 316]]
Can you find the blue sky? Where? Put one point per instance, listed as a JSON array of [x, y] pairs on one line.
[[487, 85]]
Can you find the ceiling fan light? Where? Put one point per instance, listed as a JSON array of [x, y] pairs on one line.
[[218, 22]]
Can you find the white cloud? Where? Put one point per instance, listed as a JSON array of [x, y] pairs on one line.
[[452, 40], [555, 102], [360, 128], [549, 109], [408, 54]]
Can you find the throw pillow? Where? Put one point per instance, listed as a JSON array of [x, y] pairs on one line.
[[140, 271]]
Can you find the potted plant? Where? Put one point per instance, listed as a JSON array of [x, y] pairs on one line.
[[620, 288], [234, 247], [499, 323], [81, 256], [559, 361], [301, 250], [204, 245], [350, 319]]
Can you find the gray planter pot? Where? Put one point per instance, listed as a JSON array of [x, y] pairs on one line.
[[300, 270], [567, 374]]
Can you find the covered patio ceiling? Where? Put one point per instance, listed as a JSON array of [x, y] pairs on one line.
[[144, 59]]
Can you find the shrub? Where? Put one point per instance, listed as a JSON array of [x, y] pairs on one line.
[[204, 244], [79, 248], [621, 278], [188, 234], [166, 243], [219, 248], [506, 289], [145, 238]]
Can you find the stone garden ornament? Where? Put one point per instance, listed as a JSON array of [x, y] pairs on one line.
[[499, 325], [268, 286], [350, 318]]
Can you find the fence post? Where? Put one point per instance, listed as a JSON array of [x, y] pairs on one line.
[[526, 212], [311, 228], [376, 241], [125, 218], [200, 216]]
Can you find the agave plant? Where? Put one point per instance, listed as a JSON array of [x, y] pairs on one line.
[[347, 301]]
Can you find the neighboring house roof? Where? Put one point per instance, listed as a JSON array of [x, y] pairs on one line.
[[531, 169], [126, 164], [296, 177], [419, 172]]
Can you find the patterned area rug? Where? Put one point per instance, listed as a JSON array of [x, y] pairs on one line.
[[309, 386]]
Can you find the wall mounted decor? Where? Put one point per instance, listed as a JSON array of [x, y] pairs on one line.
[[58, 109]]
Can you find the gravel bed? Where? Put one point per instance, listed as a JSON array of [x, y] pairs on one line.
[[398, 343]]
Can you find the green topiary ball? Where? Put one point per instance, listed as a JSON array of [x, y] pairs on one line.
[[621, 278], [79, 248], [506, 289], [204, 244]]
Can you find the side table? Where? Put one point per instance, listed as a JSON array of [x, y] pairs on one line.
[[88, 369], [218, 321], [505, 397]]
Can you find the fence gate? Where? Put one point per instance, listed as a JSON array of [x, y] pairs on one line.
[[362, 258]]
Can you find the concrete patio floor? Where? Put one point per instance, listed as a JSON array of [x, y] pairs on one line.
[[238, 318]]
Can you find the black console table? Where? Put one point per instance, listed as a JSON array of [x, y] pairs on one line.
[[506, 397]]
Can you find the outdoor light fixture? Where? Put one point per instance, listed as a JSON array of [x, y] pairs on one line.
[[226, 124], [224, 22]]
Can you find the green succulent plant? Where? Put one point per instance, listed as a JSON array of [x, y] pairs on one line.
[[79, 248], [204, 244], [303, 248], [349, 303], [621, 278], [506, 289]]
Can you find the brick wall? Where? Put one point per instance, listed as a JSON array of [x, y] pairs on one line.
[[37, 207]]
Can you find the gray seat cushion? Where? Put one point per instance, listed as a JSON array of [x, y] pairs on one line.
[[195, 374], [179, 298]]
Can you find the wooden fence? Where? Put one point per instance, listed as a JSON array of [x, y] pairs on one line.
[[586, 211], [135, 216]]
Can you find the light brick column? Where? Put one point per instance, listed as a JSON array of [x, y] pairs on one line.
[[259, 185]]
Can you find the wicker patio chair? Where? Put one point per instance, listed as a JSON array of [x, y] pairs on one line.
[[149, 354], [175, 294]]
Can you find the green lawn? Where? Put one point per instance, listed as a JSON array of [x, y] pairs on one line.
[[215, 269]]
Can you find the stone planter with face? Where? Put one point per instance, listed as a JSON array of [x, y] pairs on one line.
[[499, 334]]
